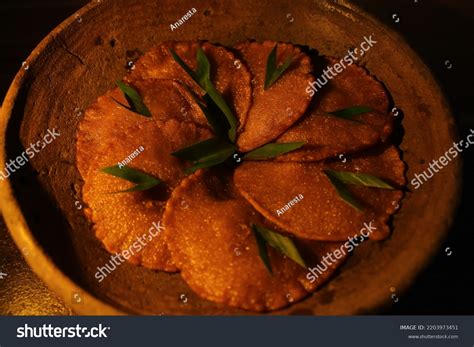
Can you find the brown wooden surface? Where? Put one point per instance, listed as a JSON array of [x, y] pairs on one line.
[[437, 30]]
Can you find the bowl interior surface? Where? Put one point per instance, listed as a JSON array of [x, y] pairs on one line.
[[81, 60]]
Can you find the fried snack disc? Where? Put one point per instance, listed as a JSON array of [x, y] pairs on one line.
[[230, 77], [168, 99], [106, 120], [354, 86], [319, 213], [120, 219], [327, 136], [274, 110], [209, 235], [108, 134]]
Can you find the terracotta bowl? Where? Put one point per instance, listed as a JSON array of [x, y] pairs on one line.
[[83, 57]]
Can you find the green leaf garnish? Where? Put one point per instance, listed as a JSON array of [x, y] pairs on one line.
[[343, 192], [206, 153], [197, 151], [272, 72], [203, 72], [279, 242], [360, 179], [212, 112], [220, 102], [134, 100], [203, 79], [142, 180], [272, 150], [262, 249], [350, 112], [185, 67]]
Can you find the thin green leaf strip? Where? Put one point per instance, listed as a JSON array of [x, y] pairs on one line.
[[212, 112], [142, 180], [262, 248], [185, 67], [197, 151], [203, 72], [360, 179], [206, 153], [203, 79], [272, 72], [351, 112], [220, 102], [272, 150], [343, 192], [281, 243], [134, 99]]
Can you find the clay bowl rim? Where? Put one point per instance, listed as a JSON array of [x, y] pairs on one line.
[[43, 265]]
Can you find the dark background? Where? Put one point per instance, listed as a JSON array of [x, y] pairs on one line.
[[440, 31]]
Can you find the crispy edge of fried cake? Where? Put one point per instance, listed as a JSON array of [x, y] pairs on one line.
[[354, 86], [326, 136], [321, 214], [230, 76], [274, 110]]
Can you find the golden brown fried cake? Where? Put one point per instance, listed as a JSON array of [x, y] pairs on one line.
[[168, 99], [120, 219], [356, 87], [108, 135], [352, 87], [107, 119], [327, 136], [321, 214], [274, 110], [230, 77], [104, 119], [210, 238]]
